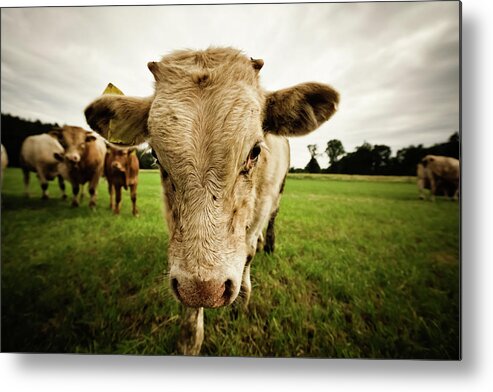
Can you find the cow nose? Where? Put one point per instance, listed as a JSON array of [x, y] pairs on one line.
[[117, 166], [73, 158], [198, 293]]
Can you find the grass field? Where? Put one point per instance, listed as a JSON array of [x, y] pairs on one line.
[[362, 269]]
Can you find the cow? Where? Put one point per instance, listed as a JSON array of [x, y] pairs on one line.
[[440, 174], [5, 160], [220, 141], [443, 188], [83, 160], [43, 155], [121, 169]]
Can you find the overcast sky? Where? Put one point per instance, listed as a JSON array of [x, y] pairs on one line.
[[396, 65]]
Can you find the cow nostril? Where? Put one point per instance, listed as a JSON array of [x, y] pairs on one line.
[[228, 290]]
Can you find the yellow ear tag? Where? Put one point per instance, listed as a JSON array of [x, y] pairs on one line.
[[112, 132], [112, 89]]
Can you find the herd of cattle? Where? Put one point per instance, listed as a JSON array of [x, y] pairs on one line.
[[221, 145], [78, 156], [86, 157]]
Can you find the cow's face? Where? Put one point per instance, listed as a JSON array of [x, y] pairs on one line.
[[73, 140], [119, 159], [206, 130], [206, 124]]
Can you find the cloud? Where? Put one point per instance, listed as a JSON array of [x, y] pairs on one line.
[[396, 65]]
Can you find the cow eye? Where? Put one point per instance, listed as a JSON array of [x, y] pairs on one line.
[[252, 159], [254, 153]]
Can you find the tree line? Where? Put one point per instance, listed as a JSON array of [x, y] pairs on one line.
[[16, 129], [376, 159], [366, 159]]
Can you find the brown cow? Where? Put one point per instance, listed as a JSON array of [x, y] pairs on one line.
[[441, 173], [121, 169], [84, 159], [220, 141]]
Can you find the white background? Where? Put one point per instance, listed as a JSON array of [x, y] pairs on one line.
[[473, 373]]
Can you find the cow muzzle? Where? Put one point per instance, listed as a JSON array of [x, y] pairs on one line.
[[197, 293], [73, 158], [117, 166]]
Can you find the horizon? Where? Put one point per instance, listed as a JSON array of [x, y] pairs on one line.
[[319, 155]]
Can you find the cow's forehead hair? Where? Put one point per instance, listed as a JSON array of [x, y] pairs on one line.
[[207, 110], [73, 134], [214, 66], [212, 138]]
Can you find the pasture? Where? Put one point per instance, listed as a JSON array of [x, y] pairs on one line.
[[362, 269]]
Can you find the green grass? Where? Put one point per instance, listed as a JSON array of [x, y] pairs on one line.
[[362, 269]]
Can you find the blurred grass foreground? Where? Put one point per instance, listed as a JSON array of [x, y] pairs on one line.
[[362, 269]]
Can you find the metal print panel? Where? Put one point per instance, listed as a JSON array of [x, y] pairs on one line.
[[262, 180]]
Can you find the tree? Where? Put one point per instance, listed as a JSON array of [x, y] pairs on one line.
[[376, 159], [362, 159], [454, 145], [381, 158], [146, 160], [313, 166], [367, 159], [404, 163], [15, 130], [334, 150], [313, 150]]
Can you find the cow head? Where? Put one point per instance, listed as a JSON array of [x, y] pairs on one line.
[[206, 123], [73, 140], [119, 158], [118, 164]]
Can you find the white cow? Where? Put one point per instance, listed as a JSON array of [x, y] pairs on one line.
[[5, 160], [42, 154], [440, 171]]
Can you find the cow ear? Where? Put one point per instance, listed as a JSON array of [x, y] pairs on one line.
[[131, 150], [90, 137], [299, 110], [427, 159], [121, 120], [56, 133], [58, 157]]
